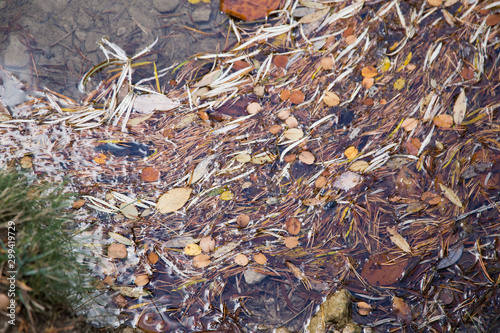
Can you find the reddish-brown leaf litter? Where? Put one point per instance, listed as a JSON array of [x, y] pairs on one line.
[[339, 145]]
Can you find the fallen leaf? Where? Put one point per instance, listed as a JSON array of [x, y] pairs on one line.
[[117, 251], [369, 71], [141, 280], [283, 114], [347, 32], [150, 174], [347, 180], [351, 152], [149, 103], [291, 242], [435, 3], [313, 17], [137, 120], [291, 122], [207, 244], [349, 40], [409, 124], [399, 84], [430, 198], [327, 63], [209, 78], [225, 249], [311, 202], [413, 146], [153, 258], [384, 269], [202, 168], [467, 73], [78, 203], [197, 1], [386, 64], [320, 182], [359, 166], [405, 63], [368, 82], [241, 259], [192, 249], [493, 19], [120, 239], [242, 220], [100, 158], [448, 192], [129, 211], [289, 158], [460, 108], [331, 98], [364, 308], [307, 157], [443, 121], [173, 199], [201, 260], [397, 239], [133, 292], [254, 108], [285, 94], [293, 134], [297, 97], [260, 258], [280, 60], [454, 255], [263, 159], [401, 310], [227, 196], [243, 158], [292, 225]]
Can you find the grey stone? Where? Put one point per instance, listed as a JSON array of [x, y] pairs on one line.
[[201, 14], [15, 56], [165, 5], [252, 277]]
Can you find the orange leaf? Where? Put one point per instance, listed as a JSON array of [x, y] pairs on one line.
[[150, 174], [291, 242], [293, 226], [369, 71], [297, 97], [260, 258], [443, 121], [351, 152], [100, 159]]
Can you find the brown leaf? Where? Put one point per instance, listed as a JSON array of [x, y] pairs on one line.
[[242, 220], [460, 108], [397, 239], [493, 19], [435, 3], [413, 146], [78, 203], [260, 258], [254, 108], [173, 199], [283, 114], [297, 97], [153, 258], [349, 40], [248, 10], [153, 102], [320, 182], [201, 260], [368, 82], [369, 71], [275, 129], [450, 194], [293, 226], [241, 259], [291, 242], [291, 122], [364, 308], [467, 73], [430, 198], [316, 16], [401, 310], [306, 157], [280, 60], [285, 94], [150, 174], [359, 166], [327, 63], [118, 251], [141, 280], [443, 121]]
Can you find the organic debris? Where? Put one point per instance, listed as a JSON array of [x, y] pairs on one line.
[[378, 170]]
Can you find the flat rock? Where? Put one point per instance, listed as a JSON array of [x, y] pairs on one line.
[[165, 5], [201, 14], [253, 277]]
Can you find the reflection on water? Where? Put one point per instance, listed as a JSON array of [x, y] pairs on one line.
[[53, 43]]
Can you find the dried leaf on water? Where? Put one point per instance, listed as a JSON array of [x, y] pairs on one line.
[[430, 198], [274, 129], [435, 3], [368, 82], [327, 63], [202, 168], [399, 84], [291, 122], [331, 98], [383, 269], [351, 152], [293, 226], [450, 194], [460, 108], [201, 260], [321, 182], [297, 97], [141, 280], [260, 258], [409, 124], [150, 174], [401, 310], [173, 199], [306, 157], [209, 78], [493, 19], [397, 239], [243, 158], [120, 239], [227, 195], [285, 94], [241, 259], [154, 102], [78, 203], [242, 220], [280, 60], [100, 158], [369, 71], [443, 121], [347, 180], [254, 108], [129, 211], [359, 166], [117, 251], [153, 258], [364, 308], [313, 17], [207, 244], [294, 134], [291, 242], [192, 249]]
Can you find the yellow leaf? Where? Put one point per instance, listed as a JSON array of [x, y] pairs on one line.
[[406, 62], [351, 152], [196, 1], [386, 64], [173, 199], [460, 108], [448, 192], [397, 239], [399, 84], [192, 249], [227, 195]]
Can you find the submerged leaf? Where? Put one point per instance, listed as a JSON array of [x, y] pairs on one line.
[[173, 199], [154, 102], [397, 239], [460, 108], [448, 192]]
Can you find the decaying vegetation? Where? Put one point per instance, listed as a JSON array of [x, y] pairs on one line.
[[342, 143]]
